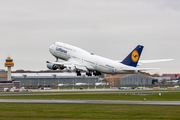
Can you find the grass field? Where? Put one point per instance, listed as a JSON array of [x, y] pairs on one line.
[[28, 111], [39, 111], [165, 96], [108, 86]]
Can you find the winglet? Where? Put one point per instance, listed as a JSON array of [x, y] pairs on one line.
[[133, 58]]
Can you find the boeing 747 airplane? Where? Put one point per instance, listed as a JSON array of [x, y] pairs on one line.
[[81, 60]]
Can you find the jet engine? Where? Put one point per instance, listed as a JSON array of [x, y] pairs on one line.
[[52, 66], [61, 67]]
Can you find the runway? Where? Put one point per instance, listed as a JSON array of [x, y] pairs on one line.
[[84, 92], [91, 102]]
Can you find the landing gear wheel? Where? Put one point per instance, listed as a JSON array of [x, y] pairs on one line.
[[78, 73], [88, 74]]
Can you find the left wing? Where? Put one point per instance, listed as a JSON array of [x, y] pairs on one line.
[[70, 64]]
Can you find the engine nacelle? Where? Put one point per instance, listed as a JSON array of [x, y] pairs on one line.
[[52, 66], [61, 67]]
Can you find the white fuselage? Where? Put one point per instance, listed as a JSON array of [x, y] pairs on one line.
[[92, 62]]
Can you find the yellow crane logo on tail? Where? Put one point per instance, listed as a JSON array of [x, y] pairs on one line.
[[135, 56]]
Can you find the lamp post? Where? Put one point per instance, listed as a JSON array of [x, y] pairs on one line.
[[58, 83], [73, 83], [44, 83], [88, 83], [95, 83]]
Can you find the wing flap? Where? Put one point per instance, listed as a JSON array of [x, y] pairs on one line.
[[82, 68]]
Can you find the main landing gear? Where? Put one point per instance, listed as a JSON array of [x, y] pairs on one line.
[[89, 74], [78, 73], [95, 73]]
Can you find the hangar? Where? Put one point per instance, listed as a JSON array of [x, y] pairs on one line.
[[130, 79], [52, 79]]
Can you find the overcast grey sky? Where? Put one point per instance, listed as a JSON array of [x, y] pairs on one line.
[[109, 28]]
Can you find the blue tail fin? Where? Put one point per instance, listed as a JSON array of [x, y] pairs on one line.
[[133, 58], [177, 78]]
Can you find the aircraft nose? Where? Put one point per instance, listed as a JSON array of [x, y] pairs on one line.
[[51, 48]]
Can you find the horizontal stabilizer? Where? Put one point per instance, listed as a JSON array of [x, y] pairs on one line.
[[139, 69], [153, 61], [145, 69]]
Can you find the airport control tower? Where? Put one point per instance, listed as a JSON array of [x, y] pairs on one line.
[[9, 63]]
